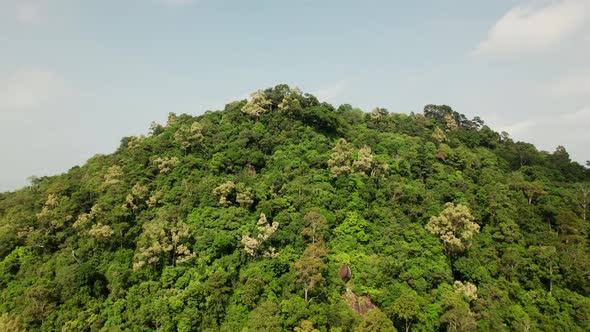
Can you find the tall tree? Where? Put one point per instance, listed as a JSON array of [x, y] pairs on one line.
[[315, 226], [310, 267]]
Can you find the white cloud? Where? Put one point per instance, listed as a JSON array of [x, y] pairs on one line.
[[528, 27], [28, 88], [547, 131], [573, 85], [331, 91]]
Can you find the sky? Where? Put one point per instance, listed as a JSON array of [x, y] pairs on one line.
[[78, 75]]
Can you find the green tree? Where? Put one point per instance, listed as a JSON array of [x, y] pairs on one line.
[[265, 318], [457, 315], [306, 326], [407, 307], [315, 226], [376, 321]]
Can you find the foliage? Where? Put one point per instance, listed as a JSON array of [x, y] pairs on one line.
[[240, 219]]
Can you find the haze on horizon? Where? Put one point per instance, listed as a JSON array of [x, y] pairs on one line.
[[76, 77]]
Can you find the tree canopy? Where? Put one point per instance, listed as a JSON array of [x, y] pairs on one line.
[[241, 220]]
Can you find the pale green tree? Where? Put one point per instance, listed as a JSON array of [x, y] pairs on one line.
[[137, 196], [54, 215], [100, 231], [364, 163], [451, 123], [161, 238], [265, 231], [290, 102], [439, 135], [223, 192], [455, 226], [257, 105], [244, 195], [305, 326], [189, 136], [166, 164], [467, 289], [113, 175], [340, 161], [11, 323]]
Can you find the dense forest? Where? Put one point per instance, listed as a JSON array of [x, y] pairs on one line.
[[284, 213]]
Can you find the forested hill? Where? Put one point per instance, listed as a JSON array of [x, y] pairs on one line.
[[248, 219]]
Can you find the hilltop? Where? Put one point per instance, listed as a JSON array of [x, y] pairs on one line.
[[248, 219]]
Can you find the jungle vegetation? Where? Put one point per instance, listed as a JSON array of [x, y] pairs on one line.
[[241, 219]]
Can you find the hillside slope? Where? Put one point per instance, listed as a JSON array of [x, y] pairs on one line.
[[241, 219]]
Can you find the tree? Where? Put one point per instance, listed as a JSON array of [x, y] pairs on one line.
[[546, 258], [380, 117], [583, 197], [257, 104], [340, 161], [533, 191], [223, 191], [189, 136], [457, 314], [455, 226], [10, 323], [467, 290], [364, 162], [166, 164], [518, 319], [244, 195], [437, 112], [439, 135], [306, 326], [379, 113], [265, 318], [376, 321], [113, 175], [265, 231], [407, 306], [41, 299], [290, 102], [310, 267], [315, 226], [165, 235], [451, 123]]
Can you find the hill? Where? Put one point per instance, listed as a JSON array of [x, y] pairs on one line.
[[286, 213]]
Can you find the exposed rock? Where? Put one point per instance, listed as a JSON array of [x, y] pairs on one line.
[[359, 304], [345, 274]]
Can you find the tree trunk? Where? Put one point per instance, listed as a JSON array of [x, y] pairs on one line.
[[550, 279]]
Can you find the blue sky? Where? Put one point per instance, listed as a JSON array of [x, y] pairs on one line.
[[76, 76]]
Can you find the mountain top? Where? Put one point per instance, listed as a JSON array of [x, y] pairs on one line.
[[241, 220]]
